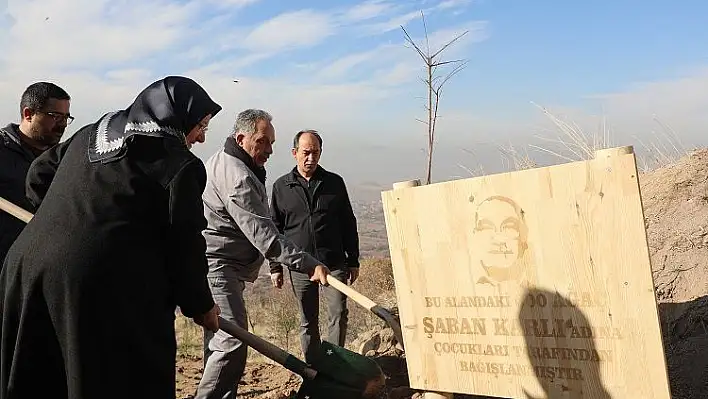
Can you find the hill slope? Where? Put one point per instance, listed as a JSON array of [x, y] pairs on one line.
[[675, 200]]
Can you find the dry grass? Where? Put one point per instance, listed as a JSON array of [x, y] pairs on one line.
[[575, 144], [375, 282], [189, 338], [572, 143], [272, 317]]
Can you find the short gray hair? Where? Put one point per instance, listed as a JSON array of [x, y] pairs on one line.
[[246, 121]]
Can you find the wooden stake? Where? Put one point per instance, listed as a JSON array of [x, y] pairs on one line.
[[406, 184], [613, 152]]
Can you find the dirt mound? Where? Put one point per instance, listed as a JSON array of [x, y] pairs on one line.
[[676, 211], [675, 201]]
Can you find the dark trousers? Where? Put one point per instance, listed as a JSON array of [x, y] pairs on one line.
[[307, 293]]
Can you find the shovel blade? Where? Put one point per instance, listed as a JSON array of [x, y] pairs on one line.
[[344, 374], [347, 367]]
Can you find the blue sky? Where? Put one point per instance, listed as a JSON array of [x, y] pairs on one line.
[[562, 51], [342, 67], [557, 52]]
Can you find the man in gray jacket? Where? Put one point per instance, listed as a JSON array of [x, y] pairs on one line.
[[240, 237]]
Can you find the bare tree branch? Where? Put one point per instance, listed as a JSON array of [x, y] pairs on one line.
[[449, 43], [454, 72], [415, 46], [434, 83], [425, 29], [446, 62]]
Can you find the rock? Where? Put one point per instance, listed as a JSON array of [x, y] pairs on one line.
[[377, 342], [387, 340], [372, 344], [401, 393], [367, 341], [275, 395]]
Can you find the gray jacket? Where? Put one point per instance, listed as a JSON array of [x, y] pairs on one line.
[[240, 233]]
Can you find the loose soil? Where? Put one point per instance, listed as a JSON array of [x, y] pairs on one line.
[[260, 380], [675, 201]]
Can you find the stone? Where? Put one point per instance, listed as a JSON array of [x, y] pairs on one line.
[[401, 393], [370, 343]]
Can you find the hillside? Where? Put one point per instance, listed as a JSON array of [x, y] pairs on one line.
[[675, 200]]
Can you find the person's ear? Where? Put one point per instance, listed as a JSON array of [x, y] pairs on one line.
[[294, 151], [239, 139], [27, 114]]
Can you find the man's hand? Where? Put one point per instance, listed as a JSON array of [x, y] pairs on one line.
[[277, 280], [320, 274], [209, 319], [353, 274]]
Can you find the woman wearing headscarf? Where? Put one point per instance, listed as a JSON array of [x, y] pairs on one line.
[[88, 291]]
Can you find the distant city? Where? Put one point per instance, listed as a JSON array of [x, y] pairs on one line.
[[373, 241]]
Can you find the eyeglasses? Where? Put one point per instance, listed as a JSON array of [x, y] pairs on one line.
[[59, 117], [203, 127]]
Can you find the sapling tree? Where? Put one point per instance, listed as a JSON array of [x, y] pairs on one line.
[[434, 83]]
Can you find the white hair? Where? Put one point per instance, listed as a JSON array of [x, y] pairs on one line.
[[246, 121]]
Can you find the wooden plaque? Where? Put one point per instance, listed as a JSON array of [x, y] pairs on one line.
[[530, 284]]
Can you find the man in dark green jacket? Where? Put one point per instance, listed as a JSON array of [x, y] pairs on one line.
[[44, 112], [311, 207]]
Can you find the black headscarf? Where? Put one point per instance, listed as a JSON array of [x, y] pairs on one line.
[[169, 108]]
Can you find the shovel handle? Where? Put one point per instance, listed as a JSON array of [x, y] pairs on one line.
[[350, 292], [370, 305], [267, 349], [15, 210]]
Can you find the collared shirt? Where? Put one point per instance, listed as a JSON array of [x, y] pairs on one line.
[[311, 184]]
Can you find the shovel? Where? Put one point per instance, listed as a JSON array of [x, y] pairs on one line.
[[335, 371], [379, 311], [15, 210]]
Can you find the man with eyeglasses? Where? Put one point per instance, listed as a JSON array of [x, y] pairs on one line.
[[44, 113]]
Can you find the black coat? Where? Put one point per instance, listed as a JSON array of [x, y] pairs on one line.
[[90, 286], [15, 159], [317, 217]]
